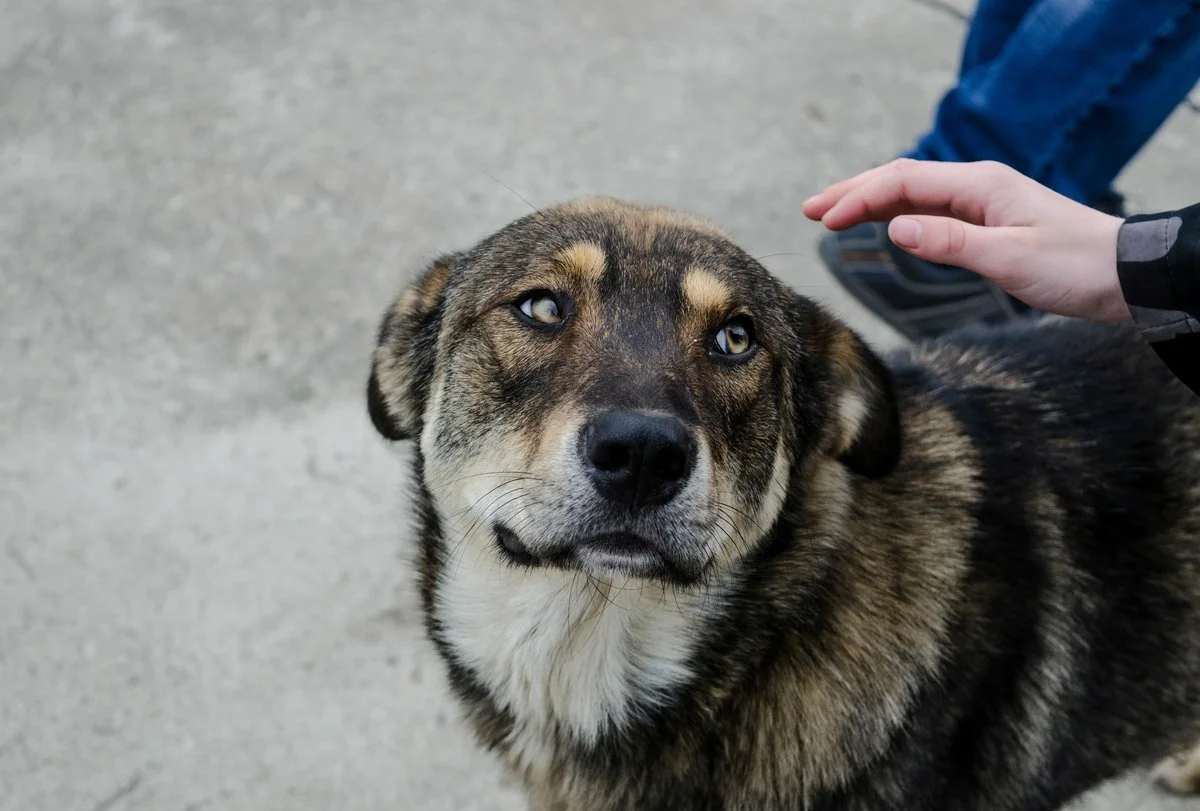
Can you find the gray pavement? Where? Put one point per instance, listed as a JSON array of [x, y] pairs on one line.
[[204, 206]]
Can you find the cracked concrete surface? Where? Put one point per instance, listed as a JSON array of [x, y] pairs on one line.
[[204, 206]]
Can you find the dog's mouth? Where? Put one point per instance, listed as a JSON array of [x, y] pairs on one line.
[[603, 555], [513, 548]]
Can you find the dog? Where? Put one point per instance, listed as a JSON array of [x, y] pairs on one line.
[[687, 542]]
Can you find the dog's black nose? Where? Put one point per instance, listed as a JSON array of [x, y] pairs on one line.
[[637, 459]]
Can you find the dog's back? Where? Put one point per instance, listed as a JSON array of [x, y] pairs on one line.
[[1076, 648]]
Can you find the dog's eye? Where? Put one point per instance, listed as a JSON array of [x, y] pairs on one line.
[[540, 308], [735, 339]]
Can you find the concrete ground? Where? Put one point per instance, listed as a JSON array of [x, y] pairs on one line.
[[204, 207]]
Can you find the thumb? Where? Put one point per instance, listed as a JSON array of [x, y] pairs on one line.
[[948, 241]]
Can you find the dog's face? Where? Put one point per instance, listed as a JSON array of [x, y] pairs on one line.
[[620, 391]]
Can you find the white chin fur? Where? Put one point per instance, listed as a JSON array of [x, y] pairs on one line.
[[563, 649]]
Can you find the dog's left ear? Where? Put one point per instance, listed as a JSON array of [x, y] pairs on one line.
[[402, 368], [865, 432]]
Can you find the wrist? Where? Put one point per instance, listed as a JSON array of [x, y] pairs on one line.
[[1112, 307]]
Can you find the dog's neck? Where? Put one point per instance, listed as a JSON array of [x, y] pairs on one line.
[[564, 654]]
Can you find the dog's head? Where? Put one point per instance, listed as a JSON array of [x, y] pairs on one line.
[[622, 391]]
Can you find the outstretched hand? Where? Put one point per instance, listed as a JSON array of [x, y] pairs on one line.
[[1050, 252]]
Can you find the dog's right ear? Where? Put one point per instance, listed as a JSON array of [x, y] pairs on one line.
[[403, 364], [864, 431]]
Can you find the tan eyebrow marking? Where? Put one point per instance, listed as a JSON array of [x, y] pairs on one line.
[[704, 291], [583, 259]]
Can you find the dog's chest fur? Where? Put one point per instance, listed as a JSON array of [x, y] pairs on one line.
[[564, 655]]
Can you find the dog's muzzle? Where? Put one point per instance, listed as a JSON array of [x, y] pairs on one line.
[[637, 462]]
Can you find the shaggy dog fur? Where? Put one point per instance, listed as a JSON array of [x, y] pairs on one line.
[[687, 543]]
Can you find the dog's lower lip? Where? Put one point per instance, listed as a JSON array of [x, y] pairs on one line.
[[610, 550], [619, 543], [620, 552], [604, 555]]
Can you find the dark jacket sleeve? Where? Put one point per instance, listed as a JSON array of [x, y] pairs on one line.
[[1158, 266]]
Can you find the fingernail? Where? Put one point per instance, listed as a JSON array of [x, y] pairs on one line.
[[905, 232]]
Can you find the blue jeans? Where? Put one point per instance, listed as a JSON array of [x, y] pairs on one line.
[[1067, 91]]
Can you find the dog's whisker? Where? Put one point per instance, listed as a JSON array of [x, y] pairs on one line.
[[501, 491], [723, 518], [569, 629], [516, 194], [522, 473], [475, 503], [781, 253], [508, 498], [499, 505], [741, 513]]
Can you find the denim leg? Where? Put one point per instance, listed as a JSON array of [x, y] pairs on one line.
[[991, 26], [1133, 112], [1091, 78]]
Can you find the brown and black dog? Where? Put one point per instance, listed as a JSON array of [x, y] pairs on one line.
[[687, 543]]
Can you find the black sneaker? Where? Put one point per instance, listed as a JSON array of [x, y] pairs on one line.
[[1112, 203], [917, 298]]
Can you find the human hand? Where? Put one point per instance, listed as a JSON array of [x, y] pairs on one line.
[[1050, 252]]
